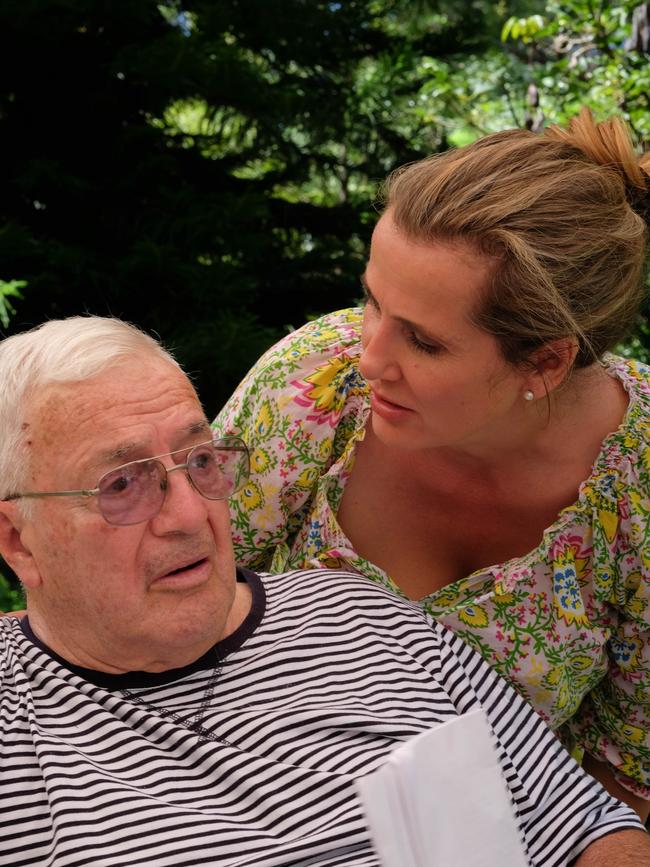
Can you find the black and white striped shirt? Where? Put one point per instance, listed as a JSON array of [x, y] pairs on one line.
[[256, 766]]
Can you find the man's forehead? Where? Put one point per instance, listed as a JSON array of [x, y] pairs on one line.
[[142, 373], [118, 413]]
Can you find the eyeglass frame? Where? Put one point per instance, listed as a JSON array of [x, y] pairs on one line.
[[95, 492]]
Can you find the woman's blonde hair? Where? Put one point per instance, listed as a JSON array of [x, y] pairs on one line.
[[561, 214]]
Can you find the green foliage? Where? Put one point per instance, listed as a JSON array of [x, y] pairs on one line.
[[582, 54], [9, 289], [526, 29], [11, 594], [638, 345], [209, 170]]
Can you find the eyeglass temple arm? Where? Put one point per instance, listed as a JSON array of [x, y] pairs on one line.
[[34, 494]]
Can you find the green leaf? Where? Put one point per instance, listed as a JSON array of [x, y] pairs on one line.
[[506, 30], [11, 597], [9, 288]]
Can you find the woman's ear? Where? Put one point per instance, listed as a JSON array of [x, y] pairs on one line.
[[550, 365], [14, 548]]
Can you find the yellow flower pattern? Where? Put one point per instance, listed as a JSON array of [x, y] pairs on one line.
[[568, 623], [323, 390], [264, 421], [306, 478], [633, 734], [475, 616], [260, 461], [251, 495]]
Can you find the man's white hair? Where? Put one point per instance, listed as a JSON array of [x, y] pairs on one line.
[[59, 351]]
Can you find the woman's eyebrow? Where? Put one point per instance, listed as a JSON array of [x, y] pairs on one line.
[[413, 326], [367, 291]]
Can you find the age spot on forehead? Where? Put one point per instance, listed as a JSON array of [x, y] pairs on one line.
[[24, 427]]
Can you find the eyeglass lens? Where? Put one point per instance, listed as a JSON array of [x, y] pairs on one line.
[[135, 492]]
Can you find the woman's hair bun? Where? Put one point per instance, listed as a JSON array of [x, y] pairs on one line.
[[608, 144], [640, 197]]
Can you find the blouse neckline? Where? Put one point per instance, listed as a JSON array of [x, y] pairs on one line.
[[607, 466]]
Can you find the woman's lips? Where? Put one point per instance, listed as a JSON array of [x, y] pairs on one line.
[[386, 408]]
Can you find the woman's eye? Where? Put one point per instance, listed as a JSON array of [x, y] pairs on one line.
[[368, 299], [423, 346]]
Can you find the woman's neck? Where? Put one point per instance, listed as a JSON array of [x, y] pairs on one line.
[[569, 425]]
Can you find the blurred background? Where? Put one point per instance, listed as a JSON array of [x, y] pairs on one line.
[[210, 170]]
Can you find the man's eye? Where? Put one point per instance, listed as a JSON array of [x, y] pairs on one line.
[[116, 484], [204, 460], [128, 479]]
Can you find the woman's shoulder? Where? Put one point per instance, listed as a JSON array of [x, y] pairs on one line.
[[300, 410], [633, 375], [311, 375], [326, 337], [623, 464], [621, 471]]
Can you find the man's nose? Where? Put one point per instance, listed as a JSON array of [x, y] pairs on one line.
[[184, 510]]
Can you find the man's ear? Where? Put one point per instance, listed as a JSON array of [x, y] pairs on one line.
[[14, 548], [551, 365]]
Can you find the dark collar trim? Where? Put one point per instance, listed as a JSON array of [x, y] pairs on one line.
[[216, 654]]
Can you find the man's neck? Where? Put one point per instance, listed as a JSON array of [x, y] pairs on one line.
[[118, 657]]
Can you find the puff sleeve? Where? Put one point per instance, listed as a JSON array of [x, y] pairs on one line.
[[613, 721], [295, 409]]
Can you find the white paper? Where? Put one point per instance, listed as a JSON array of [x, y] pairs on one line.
[[441, 801]]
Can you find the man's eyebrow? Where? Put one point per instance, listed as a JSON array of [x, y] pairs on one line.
[[138, 447], [199, 427], [119, 452]]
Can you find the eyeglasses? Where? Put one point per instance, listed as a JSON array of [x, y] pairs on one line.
[[135, 492]]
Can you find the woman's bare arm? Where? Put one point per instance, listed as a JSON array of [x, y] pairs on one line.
[[600, 771]]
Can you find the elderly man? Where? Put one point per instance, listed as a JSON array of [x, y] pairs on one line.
[[160, 707]]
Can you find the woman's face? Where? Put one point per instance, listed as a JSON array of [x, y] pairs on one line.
[[437, 380]]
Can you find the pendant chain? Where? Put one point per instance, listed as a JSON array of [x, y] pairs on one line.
[[193, 722]]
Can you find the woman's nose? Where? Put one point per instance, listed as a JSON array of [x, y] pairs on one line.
[[378, 359]]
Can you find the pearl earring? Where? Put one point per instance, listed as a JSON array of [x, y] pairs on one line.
[[528, 395]]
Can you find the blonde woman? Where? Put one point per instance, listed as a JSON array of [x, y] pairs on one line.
[[467, 439]]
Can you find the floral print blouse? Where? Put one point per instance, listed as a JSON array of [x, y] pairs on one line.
[[568, 623]]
